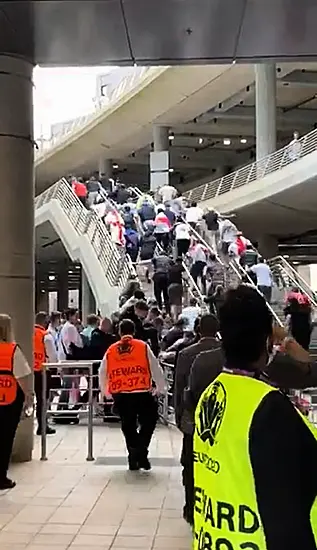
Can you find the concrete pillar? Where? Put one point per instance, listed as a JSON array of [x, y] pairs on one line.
[[105, 168], [62, 287], [160, 138], [265, 108], [88, 304], [159, 158], [268, 246], [17, 216]]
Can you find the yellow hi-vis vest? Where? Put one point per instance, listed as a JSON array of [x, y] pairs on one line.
[[226, 515]]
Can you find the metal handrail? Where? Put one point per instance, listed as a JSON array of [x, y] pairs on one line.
[[116, 268], [281, 263], [257, 170], [126, 85]]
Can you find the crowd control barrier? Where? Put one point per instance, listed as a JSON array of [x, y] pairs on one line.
[[68, 369]]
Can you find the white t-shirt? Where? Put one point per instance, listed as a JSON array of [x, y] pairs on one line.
[[182, 231], [263, 274], [167, 193], [228, 231], [21, 367], [194, 214], [69, 335]]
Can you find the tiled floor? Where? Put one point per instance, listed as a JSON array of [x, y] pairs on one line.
[[68, 503]]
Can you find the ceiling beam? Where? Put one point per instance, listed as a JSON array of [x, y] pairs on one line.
[[299, 116], [301, 79]]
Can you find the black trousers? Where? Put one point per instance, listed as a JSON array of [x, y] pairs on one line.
[[163, 239], [196, 271], [188, 474], [9, 420], [160, 281], [182, 247], [38, 385], [138, 413]]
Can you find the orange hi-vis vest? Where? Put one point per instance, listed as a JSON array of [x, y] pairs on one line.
[[39, 353], [128, 368], [8, 383]]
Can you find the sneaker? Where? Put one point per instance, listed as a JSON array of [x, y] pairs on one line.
[[49, 431], [144, 463], [7, 484]]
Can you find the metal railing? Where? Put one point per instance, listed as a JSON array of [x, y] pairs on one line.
[[115, 266], [284, 271], [46, 412], [255, 171], [126, 85]]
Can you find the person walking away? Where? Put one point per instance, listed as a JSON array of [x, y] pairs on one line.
[[44, 351], [211, 219], [128, 217], [194, 214], [175, 288], [161, 264], [127, 373], [191, 313], [208, 329], [247, 427], [169, 214], [147, 211], [80, 190], [115, 224], [298, 314], [16, 389], [182, 237], [132, 243], [147, 248], [167, 193], [294, 147], [122, 195], [264, 278], [198, 255], [227, 234], [216, 300], [162, 229], [93, 189]]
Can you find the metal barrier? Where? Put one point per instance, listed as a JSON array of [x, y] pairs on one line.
[[85, 365], [166, 408]]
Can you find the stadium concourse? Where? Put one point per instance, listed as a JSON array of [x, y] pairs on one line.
[[68, 503]]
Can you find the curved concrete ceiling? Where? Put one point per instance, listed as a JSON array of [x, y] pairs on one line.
[[158, 32]]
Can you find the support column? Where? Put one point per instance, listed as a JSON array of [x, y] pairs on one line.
[[17, 216], [268, 246], [105, 168], [159, 158], [265, 91], [88, 304], [62, 288]]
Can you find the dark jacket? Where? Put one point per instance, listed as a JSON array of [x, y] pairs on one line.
[[161, 264], [148, 245], [99, 343], [147, 212], [211, 219], [143, 332], [174, 334], [182, 371]]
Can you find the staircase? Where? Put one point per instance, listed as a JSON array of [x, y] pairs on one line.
[[87, 241]]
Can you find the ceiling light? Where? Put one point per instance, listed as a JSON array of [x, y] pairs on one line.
[[115, 166], [51, 277], [171, 136], [243, 140], [200, 140], [70, 271], [77, 266], [171, 170], [43, 290], [227, 141]]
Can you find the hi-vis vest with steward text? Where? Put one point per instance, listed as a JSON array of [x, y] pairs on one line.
[[128, 366], [8, 383], [39, 353], [226, 514]]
